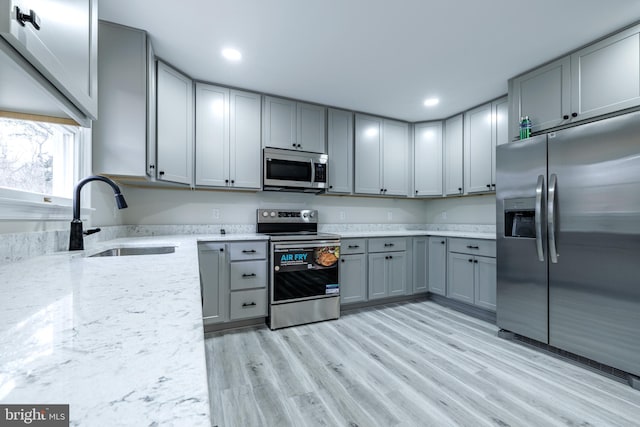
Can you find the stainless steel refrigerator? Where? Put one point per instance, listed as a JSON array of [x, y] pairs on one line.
[[568, 240]]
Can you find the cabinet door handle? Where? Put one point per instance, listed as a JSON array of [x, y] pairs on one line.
[[221, 249], [388, 245], [245, 275], [565, 117], [470, 260], [443, 242], [574, 115], [226, 181], [342, 260], [233, 181], [354, 246], [475, 261], [473, 247], [249, 251], [488, 185], [161, 172], [248, 304], [390, 257], [31, 18]]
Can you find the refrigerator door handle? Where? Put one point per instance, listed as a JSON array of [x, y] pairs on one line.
[[551, 218], [538, 218]]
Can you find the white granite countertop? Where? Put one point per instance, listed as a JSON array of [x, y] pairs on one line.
[[411, 233], [119, 339]]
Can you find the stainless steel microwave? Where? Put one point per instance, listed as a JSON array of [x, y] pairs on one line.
[[289, 170]]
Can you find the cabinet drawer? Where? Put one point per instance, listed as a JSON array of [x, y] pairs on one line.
[[388, 244], [247, 304], [352, 246], [248, 275], [473, 246], [247, 251]]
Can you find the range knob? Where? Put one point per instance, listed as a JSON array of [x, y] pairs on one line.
[[265, 214], [305, 215], [273, 214], [311, 214]]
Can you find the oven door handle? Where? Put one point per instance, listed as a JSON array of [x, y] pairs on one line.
[[313, 172], [306, 245]]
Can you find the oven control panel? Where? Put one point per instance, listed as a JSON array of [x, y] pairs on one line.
[[288, 216]]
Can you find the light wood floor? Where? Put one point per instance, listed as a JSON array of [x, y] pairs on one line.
[[410, 364]]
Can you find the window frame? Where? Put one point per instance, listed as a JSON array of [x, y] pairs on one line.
[[20, 205]]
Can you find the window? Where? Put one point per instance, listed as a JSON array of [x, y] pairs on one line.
[[39, 165]]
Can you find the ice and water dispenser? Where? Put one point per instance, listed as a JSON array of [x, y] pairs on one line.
[[520, 217]]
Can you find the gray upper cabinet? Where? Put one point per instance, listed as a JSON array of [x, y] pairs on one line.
[[368, 145], [382, 156], [311, 127], [395, 158], [279, 128], [212, 135], [124, 136], [478, 145], [453, 146], [293, 125], [340, 147], [542, 94], [605, 76], [427, 158], [66, 55], [227, 138], [598, 79], [174, 125]]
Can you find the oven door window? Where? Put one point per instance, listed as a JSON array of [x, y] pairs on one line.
[[305, 273], [288, 170]]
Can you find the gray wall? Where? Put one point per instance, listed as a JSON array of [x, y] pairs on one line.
[[167, 206], [462, 210]]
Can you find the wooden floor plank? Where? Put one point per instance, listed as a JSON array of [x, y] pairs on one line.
[[403, 364]]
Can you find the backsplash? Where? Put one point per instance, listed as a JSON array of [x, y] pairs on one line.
[[18, 246]]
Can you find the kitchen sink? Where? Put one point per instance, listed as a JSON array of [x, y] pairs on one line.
[[136, 250]]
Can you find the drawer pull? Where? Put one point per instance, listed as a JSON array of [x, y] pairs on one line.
[[248, 304], [248, 275], [249, 251], [473, 247], [388, 245], [354, 246]]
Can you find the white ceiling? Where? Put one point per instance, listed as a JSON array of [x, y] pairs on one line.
[[378, 56]]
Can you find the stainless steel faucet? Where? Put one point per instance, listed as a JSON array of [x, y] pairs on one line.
[[76, 235]]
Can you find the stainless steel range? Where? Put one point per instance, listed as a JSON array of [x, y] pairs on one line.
[[303, 273]]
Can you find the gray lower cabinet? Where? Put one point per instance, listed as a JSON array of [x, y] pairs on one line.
[[420, 265], [471, 272], [233, 280], [460, 277], [485, 282], [174, 125], [214, 282], [124, 136], [437, 269], [388, 266], [353, 278]]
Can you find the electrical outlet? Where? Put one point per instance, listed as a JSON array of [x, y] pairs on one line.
[[343, 215], [444, 215], [216, 213], [389, 216]]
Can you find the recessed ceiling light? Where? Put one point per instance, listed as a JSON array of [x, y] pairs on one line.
[[431, 102], [232, 54]]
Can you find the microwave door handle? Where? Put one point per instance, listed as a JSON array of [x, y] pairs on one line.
[[538, 217], [313, 172]]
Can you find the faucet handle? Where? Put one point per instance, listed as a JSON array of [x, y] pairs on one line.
[[91, 231]]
